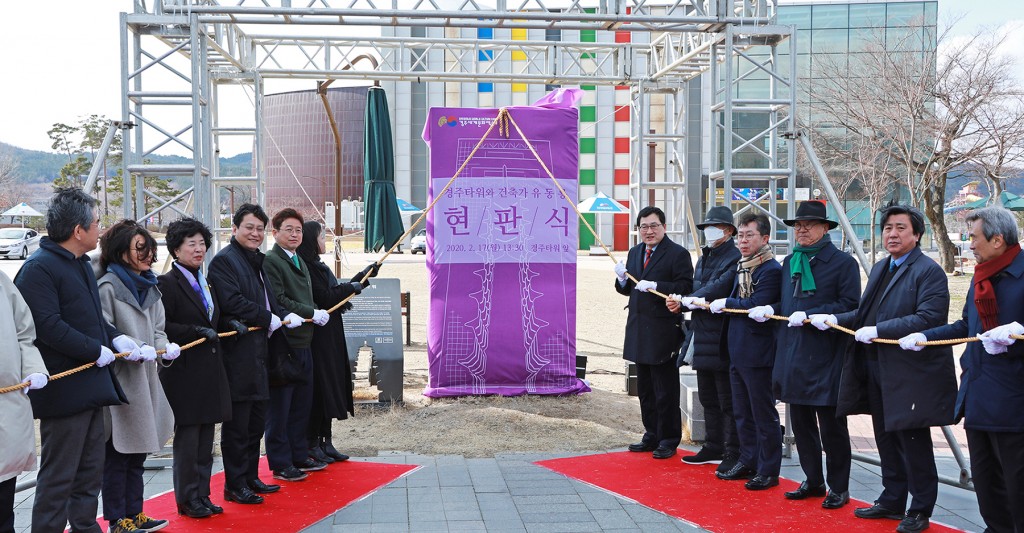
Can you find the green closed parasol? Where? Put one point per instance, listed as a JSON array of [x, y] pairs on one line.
[[382, 219]]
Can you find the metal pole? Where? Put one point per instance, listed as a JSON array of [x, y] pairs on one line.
[[321, 89], [101, 156], [832, 197]]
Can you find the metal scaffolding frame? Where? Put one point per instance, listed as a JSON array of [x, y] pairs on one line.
[[177, 54]]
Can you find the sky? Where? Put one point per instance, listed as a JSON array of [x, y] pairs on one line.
[[61, 59]]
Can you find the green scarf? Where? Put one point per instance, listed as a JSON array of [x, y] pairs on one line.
[[800, 263]]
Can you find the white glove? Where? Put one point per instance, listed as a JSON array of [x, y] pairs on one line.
[[124, 343], [717, 305], [171, 351], [910, 342], [148, 352], [760, 313], [293, 320], [275, 323], [620, 270], [1002, 334], [320, 317], [646, 285], [796, 319], [696, 303], [866, 334], [992, 347], [35, 380], [106, 356], [819, 321]]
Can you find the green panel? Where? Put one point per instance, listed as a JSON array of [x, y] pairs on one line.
[[586, 238], [588, 87], [588, 113], [588, 36], [587, 176], [588, 145]]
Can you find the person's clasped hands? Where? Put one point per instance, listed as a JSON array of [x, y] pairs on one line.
[[998, 339]]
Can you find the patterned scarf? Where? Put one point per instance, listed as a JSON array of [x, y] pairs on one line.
[[747, 265], [200, 286], [984, 292]]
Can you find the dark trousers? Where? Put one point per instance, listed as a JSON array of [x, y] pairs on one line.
[[757, 420], [908, 461], [122, 484], [288, 418], [240, 443], [997, 466], [70, 473], [715, 394], [7, 505], [816, 428], [658, 389], [193, 461]]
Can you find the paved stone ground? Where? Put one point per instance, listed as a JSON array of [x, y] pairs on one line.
[[508, 493]]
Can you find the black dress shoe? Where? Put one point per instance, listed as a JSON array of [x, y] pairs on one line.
[[913, 523], [242, 495], [214, 508], [290, 473], [740, 471], [259, 487], [643, 447], [835, 500], [877, 511], [762, 482], [194, 509], [310, 465], [805, 491], [663, 452], [317, 453]]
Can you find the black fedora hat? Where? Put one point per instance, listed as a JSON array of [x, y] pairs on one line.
[[811, 210], [718, 215]]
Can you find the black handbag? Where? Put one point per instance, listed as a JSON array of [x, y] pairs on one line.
[[283, 367]]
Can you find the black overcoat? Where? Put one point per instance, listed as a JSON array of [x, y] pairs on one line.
[[653, 333], [751, 344], [242, 288], [713, 279], [332, 372], [918, 388], [808, 362], [61, 291], [196, 384]]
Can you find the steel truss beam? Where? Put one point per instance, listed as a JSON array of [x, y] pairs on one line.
[[200, 46]]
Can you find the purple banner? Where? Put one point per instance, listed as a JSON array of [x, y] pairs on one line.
[[501, 254]]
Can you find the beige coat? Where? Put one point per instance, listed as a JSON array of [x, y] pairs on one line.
[[18, 358], [144, 424]]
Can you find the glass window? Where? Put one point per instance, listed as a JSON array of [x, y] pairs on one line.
[[831, 16], [867, 39], [867, 15], [904, 14], [931, 13], [799, 16], [828, 65], [803, 41], [904, 39], [833, 41]]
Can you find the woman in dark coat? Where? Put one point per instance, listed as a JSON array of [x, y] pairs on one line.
[[196, 384], [332, 374]]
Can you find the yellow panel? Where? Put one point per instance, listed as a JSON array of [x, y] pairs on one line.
[[518, 55], [519, 87], [519, 34]]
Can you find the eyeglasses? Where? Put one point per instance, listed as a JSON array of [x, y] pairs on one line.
[[747, 236], [291, 230], [648, 227]]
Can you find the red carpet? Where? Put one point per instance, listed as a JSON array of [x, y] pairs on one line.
[[692, 493], [295, 506]]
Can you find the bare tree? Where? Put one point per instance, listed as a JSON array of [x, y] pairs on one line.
[[1003, 126], [924, 105], [9, 190]]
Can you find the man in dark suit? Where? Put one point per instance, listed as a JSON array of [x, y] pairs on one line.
[[817, 278], [653, 333], [991, 397], [245, 296], [905, 394], [751, 349]]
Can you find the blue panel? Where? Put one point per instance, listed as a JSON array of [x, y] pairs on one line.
[[485, 33], [485, 87], [485, 55]]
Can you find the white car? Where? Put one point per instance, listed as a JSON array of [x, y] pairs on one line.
[[419, 243], [18, 242]]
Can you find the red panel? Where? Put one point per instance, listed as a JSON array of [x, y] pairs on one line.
[[622, 145], [621, 229], [622, 114], [622, 36], [622, 176]]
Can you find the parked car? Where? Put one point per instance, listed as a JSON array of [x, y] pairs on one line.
[[419, 243], [18, 242]]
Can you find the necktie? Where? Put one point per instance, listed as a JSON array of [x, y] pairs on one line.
[[892, 266], [647, 257], [295, 259]]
